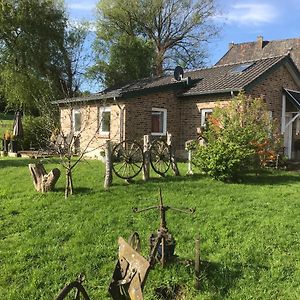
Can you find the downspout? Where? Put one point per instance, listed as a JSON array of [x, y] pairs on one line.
[[283, 111]]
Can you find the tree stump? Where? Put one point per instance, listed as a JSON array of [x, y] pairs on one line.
[[42, 181]]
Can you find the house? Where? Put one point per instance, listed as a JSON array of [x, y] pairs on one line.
[[155, 106], [261, 49]]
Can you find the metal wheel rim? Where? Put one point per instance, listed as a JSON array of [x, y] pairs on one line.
[[127, 159], [160, 157]]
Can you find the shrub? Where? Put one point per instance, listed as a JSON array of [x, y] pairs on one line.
[[240, 136], [37, 132]]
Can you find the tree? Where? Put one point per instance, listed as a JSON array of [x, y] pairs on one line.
[[30, 31], [41, 54], [240, 136], [177, 29], [130, 58]]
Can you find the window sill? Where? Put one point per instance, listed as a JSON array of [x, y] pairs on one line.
[[104, 135], [158, 133]]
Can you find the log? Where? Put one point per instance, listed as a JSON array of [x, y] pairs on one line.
[[42, 181]]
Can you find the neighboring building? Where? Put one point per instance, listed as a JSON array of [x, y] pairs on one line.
[[262, 49], [156, 105]]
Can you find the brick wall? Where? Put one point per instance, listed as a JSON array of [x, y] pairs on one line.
[[183, 113], [138, 114], [91, 140]]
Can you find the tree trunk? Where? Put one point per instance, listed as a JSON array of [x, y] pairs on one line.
[[42, 181], [108, 166], [69, 184]]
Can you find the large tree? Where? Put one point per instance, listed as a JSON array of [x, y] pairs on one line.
[[177, 29], [41, 55], [128, 59]]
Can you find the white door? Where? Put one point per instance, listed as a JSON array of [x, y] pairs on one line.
[[288, 136]]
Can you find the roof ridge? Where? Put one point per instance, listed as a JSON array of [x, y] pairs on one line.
[[238, 63], [269, 41]]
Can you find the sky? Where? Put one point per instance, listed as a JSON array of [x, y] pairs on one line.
[[238, 20]]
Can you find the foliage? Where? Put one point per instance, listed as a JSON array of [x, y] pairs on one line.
[[130, 58], [30, 32], [42, 56], [37, 131], [239, 136], [249, 240], [177, 30]]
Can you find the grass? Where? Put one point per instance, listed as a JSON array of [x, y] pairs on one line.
[[249, 234], [6, 123]]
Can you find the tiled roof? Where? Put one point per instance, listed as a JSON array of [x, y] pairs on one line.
[[262, 49], [216, 79], [222, 78]]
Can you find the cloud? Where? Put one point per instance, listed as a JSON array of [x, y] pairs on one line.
[[250, 14]]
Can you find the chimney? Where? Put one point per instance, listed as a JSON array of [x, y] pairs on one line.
[[259, 42]]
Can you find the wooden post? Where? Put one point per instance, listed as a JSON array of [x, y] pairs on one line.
[[197, 263], [190, 170], [173, 159], [108, 165], [146, 166]]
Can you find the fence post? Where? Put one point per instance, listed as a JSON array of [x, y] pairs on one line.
[[146, 166], [108, 165], [173, 159]]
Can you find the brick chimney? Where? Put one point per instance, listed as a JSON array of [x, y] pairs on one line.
[[259, 42]]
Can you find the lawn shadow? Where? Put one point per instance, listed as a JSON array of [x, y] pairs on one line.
[[271, 178], [166, 179], [218, 278], [15, 162]]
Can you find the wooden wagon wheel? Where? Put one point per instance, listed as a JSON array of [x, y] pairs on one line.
[[127, 159], [160, 157]]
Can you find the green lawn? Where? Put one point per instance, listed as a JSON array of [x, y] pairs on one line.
[[249, 234]]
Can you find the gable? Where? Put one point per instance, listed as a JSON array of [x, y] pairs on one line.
[[262, 49]]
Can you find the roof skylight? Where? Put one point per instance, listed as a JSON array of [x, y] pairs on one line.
[[241, 67]]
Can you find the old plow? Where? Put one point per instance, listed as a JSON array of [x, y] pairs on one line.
[[132, 268]]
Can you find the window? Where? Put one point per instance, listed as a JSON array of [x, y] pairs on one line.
[[205, 113], [159, 121], [241, 68], [104, 120], [76, 120]]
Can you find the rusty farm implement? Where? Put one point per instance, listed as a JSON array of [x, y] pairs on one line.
[[132, 268]]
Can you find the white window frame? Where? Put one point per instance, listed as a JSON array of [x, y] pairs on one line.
[[164, 132], [204, 111], [74, 112], [103, 109]]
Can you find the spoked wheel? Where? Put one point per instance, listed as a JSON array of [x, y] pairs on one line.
[[127, 159], [73, 291], [160, 157], [135, 242]]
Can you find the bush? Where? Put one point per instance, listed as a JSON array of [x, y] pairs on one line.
[[239, 137], [37, 132]]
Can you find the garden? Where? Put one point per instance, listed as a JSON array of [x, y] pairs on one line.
[[249, 233]]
